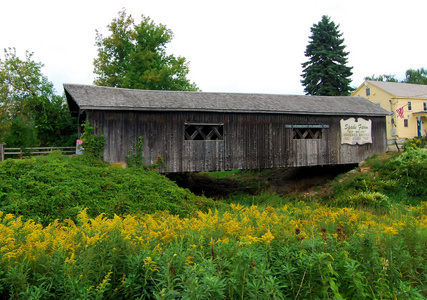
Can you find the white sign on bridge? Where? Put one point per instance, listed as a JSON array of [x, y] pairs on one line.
[[356, 132]]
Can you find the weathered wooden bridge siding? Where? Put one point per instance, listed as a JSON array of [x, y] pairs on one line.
[[250, 141]]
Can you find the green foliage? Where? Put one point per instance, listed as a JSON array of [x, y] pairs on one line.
[[57, 187], [418, 76], [410, 170], [397, 180], [262, 200], [30, 112], [135, 158], [326, 73], [20, 133], [370, 248], [365, 199], [53, 123], [104, 260], [134, 56], [93, 145], [384, 77], [415, 143]]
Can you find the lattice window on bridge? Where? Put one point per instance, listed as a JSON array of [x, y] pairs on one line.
[[307, 133], [203, 132]]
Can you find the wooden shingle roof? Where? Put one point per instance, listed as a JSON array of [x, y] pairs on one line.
[[398, 89], [89, 97]]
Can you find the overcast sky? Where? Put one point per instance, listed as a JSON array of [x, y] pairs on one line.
[[232, 46]]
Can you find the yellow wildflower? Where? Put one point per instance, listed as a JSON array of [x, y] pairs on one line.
[[8, 217], [353, 218], [189, 260], [236, 207], [390, 230], [224, 241], [267, 237], [103, 285], [248, 239], [150, 264], [70, 259]]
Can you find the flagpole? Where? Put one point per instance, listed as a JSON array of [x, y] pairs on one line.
[[393, 118], [399, 109]]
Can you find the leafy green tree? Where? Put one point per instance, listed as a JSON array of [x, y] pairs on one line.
[[133, 56], [19, 132], [31, 114], [384, 77], [326, 73], [418, 76], [55, 126]]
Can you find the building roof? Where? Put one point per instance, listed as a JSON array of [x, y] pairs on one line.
[[398, 89], [89, 97]]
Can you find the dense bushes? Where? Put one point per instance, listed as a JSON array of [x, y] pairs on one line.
[[410, 171], [58, 187], [398, 180]]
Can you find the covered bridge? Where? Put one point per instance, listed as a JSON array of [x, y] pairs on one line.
[[198, 131]]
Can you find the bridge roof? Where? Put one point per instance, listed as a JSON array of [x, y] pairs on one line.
[[89, 97]]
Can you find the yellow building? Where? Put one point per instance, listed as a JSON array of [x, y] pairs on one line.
[[406, 102]]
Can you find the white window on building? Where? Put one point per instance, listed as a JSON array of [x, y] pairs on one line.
[[425, 106], [409, 105]]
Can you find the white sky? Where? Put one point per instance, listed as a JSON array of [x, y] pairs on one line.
[[232, 45]]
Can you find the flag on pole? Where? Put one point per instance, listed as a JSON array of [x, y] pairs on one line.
[[400, 112]]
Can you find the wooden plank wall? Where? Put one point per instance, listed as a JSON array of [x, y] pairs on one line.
[[251, 141]]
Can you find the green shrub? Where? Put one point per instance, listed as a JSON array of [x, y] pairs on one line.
[[410, 170], [399, 177], [366, 199], [136, 159], [58, 187], [93, 145], [415, 143]]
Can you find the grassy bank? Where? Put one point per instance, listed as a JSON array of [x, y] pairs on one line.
[[362, 235], [58, 187]]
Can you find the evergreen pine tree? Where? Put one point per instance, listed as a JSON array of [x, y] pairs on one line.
[[326, 73]]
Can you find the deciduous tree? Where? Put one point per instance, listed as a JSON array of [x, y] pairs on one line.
[[134, 56], [418, 76], [384, 77], [31, 114], [326, 72]]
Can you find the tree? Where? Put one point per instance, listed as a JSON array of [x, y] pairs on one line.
[[384, 77], [418, 76], [326, 73], [133, 56], [31, 114]]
